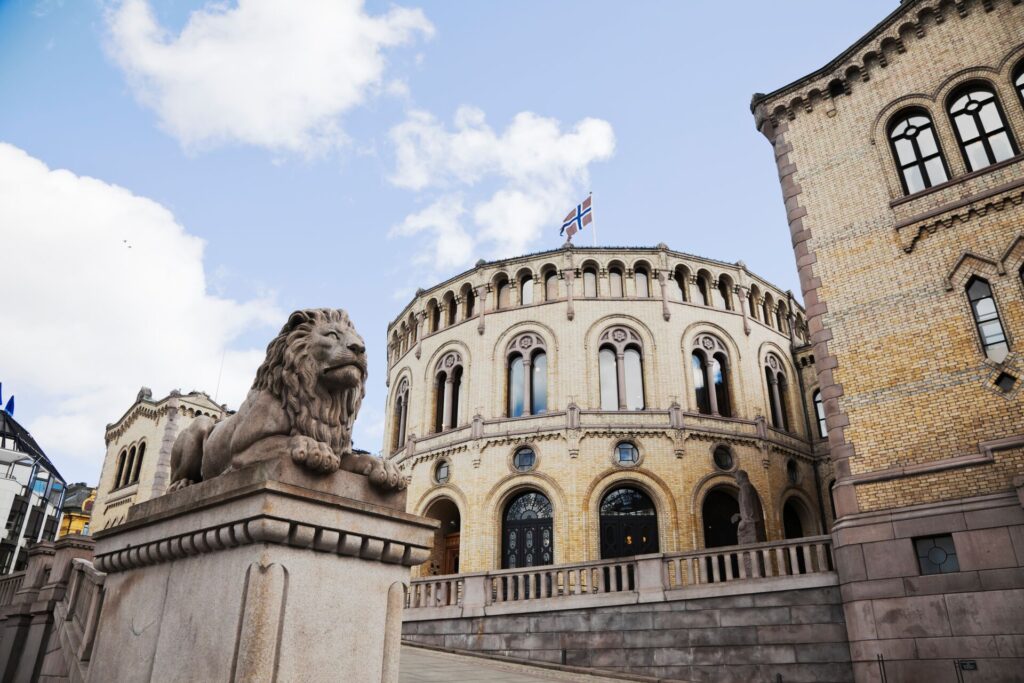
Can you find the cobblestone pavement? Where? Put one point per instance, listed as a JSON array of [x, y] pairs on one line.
[[428, 666]]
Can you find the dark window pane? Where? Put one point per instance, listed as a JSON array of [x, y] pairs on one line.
[[539, 384], [515, 387], [699, 383], [609, 380]]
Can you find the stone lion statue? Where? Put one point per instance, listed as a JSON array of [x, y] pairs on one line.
[[303, 403]]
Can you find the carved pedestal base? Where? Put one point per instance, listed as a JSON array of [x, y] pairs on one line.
[[264, 574]]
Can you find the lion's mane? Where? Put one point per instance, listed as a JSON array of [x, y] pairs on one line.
[[291, 375]]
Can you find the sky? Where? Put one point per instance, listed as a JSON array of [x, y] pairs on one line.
[[177, 176]]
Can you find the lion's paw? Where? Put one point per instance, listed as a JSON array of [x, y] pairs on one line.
[[385, 475], [180, 484], [313, 454]]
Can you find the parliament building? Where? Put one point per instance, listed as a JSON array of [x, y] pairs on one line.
[[591, 403]]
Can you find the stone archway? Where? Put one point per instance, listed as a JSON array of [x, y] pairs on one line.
[[629, 523], [444, 558]]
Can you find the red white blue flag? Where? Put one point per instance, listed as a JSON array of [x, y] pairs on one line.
[[576, 219]]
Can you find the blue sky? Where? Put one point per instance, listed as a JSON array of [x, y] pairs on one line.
[[176, 176]]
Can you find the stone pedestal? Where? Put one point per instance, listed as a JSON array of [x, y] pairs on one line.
[[269, 573]]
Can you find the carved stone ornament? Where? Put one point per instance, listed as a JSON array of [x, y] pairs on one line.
[[302, 404], [619, 335], [449, 360], [773, 362], [526, 342], [708, 343]]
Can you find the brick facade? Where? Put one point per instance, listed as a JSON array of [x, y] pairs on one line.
[[919, 431]]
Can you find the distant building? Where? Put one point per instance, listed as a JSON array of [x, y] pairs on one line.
[[137, 465], [76, 512], [31, 494]]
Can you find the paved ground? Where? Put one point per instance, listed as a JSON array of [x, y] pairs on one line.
[[428, 666]]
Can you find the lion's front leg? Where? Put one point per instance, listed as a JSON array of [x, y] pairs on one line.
[[383, 474], [316, 455]]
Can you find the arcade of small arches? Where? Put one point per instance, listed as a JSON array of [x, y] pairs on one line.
[[620, 378], [614, 280], [632, 517], [129, 465]]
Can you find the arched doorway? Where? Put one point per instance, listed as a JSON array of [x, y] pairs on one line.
[[444, 558], [527, 536], [629, 523], [721, 511], [796, 520]]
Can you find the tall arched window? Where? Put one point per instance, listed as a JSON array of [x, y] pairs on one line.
[[980, 126], [819, 414], [527, 375], [710, 362], [615, 281], [447, 387], [681, 278], [725, 290], [129, 468], [590, 281], [435, 316], [121, 459], [629, 523], [620, 360], [916, 150], [504, 293], [400, 415], [527, 534], [986, 318], [526, 290], [752, 298], [704, 287], [1018, 81], [643, 287], [469, 307], [551, 286], [782, 317], [778, 392], [450, 309], [766, 308], [137, 470]]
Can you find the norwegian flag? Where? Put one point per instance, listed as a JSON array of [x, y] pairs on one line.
[[576, 219]]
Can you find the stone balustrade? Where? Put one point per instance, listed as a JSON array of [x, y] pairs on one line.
[[644, 578], [9, 585]]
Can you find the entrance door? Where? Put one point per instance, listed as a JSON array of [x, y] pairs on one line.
[[629, 524], [527, 533], [451, 554]]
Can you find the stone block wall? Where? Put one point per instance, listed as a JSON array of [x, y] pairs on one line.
[[798, 634]]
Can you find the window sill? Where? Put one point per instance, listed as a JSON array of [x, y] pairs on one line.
[[956, 200]]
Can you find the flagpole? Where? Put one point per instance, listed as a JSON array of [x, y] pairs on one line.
[[593, 223]]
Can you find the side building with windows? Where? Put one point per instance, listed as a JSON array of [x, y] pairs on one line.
[[589, 403], [902, 175], [137, 465], [31, 495]]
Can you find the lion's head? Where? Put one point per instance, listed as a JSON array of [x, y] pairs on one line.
[[316, 366]]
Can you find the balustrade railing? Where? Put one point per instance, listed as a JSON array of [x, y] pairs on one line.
[[9, 585], [646, 577]]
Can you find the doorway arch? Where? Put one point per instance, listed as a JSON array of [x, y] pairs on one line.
[[444, 558], [629, 523], [527, 534]]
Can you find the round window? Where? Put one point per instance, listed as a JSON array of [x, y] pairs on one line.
[[723, 458], [441, 472], [627, 454], [524, 459], [792, 472]]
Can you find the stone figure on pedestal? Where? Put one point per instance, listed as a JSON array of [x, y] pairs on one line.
[[746, 530]]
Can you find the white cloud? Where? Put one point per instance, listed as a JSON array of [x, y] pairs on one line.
[[110, 294], [263, 72], [540, 171]]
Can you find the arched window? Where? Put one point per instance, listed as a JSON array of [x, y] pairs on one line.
[[590, 282], [401, 415], [620, 361], [725, 290], [819, 413], [447, 387], [710, 362], [681, 278], [640, 277], [451, 309], [551, 286], [782, 318], [704, 287], [629, 523], [1018, 80], [916, 150], [435, 316], [986, 318], [795, 519], [138, 463], [121, 459], [527, 536], [766, 308], [526, 290], [980, 126], [615, 281], [778, 393], [469, 298], [504, 294], [129, 467], [527, 375], [752, 302]]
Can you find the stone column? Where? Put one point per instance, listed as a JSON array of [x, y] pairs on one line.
[[620, 376], [267, 573], [773, 386], [446, 415], [570, 276], [710, 379], [743, 295], [402, 417], [420, 317], [481, 302], [527, 385]]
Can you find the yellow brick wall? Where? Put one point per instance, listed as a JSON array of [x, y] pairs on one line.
[[916, 386]]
